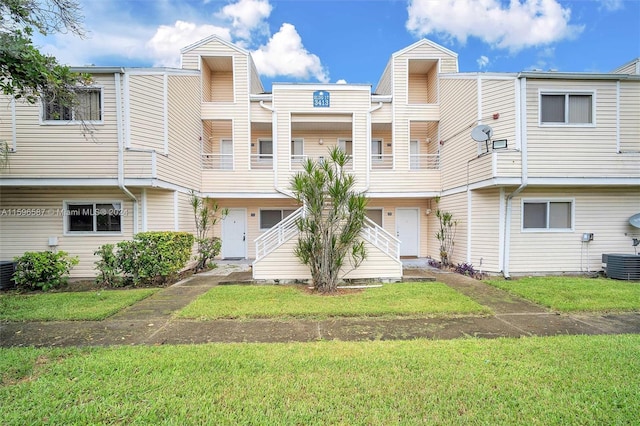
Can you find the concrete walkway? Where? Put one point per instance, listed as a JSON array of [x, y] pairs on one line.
[[151, 321]]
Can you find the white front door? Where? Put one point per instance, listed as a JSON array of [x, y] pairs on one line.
[[234, 234], [407, 231]]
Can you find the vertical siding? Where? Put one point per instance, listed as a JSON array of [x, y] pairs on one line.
[[20, 234], [630, 116], [604, 212]]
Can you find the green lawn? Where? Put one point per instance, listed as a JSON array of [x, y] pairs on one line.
[[90, 305], [575, 294], [279, 301], [585, 380]]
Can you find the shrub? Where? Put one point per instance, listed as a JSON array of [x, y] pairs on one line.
[[435, 263], [468, 270], [108, 266], [151, 257], [43, 269], [207, 213]]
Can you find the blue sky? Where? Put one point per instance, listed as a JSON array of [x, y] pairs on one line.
[[334, 40]]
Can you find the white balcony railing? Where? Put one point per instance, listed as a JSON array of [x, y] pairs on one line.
[[216, 161], [424, 161], [262, 161], [382, 161]]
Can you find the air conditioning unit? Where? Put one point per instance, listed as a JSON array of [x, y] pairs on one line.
[[7, 269], [621, 266]]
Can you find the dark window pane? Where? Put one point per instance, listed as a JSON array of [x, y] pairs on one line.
[[375, 215], [535, 216], [552, 108], [80, 217], [108, 217], [269, 218]]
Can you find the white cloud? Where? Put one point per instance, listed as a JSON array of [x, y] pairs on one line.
[[246, 17], [612, 5], [285, 55], [520, 24], [482, 61], [341, 81], [166, 43]]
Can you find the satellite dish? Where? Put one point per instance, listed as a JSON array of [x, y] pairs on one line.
[[635, 220], [482, 133]]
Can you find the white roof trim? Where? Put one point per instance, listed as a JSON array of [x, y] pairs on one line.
[[423, 42], [635, 61], [329, 87], [214, 38]]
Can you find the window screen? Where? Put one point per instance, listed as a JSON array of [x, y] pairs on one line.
[[547, 215]]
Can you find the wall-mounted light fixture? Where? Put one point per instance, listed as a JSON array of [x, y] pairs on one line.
[[320, 141]]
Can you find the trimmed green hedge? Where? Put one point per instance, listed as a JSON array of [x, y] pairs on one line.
[[151, 257]]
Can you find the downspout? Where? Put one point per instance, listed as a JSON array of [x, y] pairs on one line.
[[524, 178], [120, 128], [368, 147]]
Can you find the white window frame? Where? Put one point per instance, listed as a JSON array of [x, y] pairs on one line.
[[548, 201], [299, 157], [379, 157], [66, 215], [381, 210], [282, 217], [73, 120], [567, 94], [260, 154]]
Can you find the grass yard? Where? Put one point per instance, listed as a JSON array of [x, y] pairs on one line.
[[585, 380], [575, 294], [280, 301], [90, 305]]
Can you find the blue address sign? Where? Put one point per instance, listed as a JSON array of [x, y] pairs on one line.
[[321, 99]]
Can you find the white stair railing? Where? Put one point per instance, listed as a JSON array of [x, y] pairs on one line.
[[286, 229], [380, 238], [277, 235]]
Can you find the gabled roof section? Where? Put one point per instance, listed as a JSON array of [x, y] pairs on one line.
[[631, 67], [423, 42], [215, 38]]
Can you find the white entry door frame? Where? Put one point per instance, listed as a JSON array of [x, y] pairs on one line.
[[234, 234], [408, 230]]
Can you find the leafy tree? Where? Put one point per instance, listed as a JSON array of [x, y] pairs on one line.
[[335, 215], [206, 213], [27, 74], [24, 71], [446, 234]]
